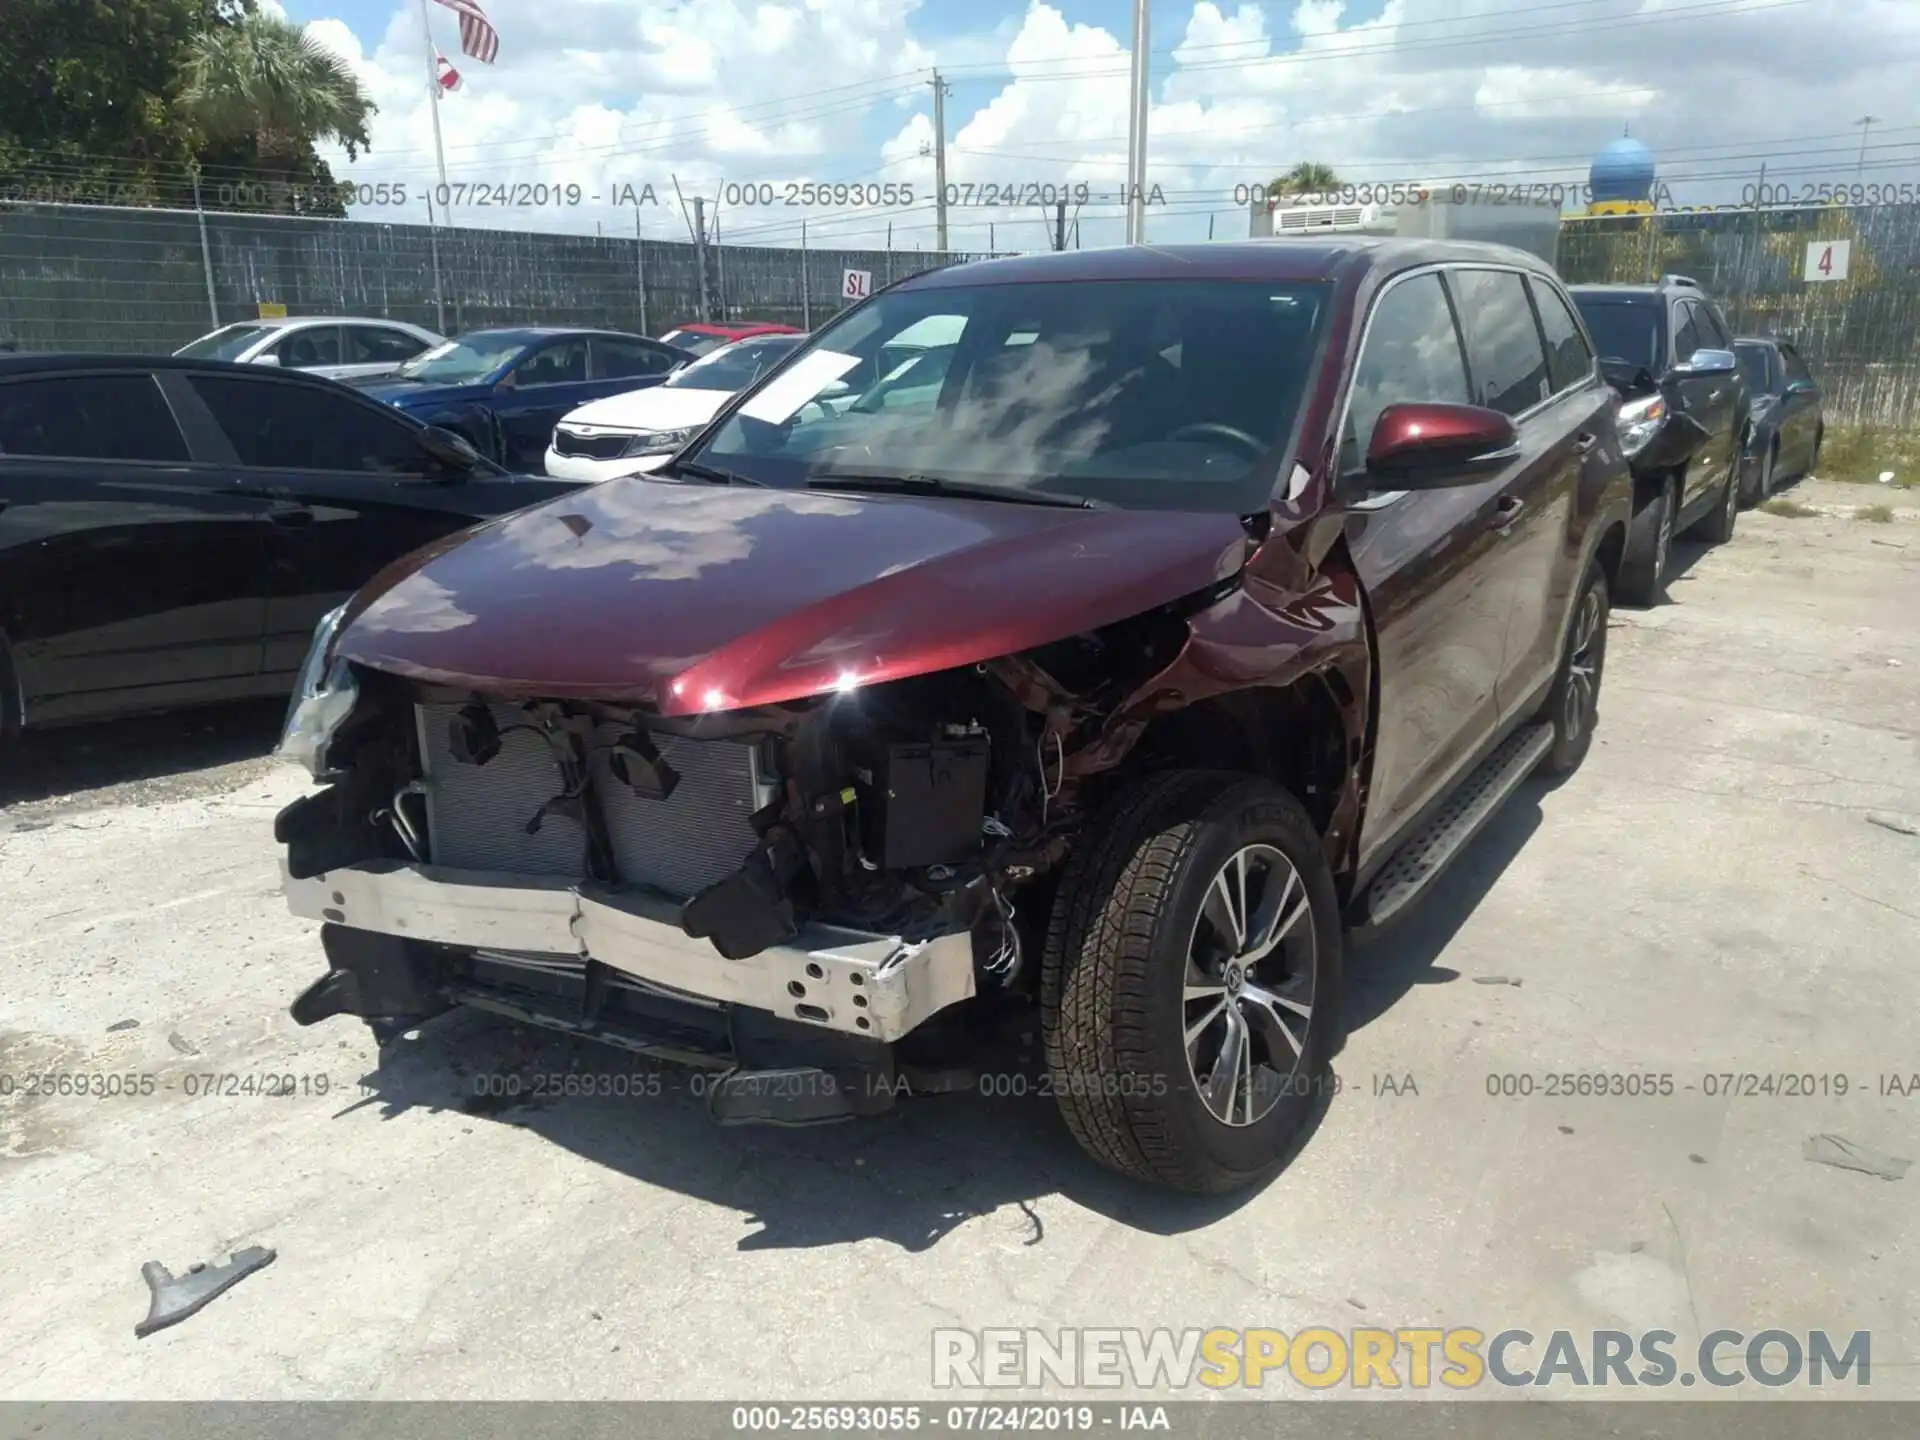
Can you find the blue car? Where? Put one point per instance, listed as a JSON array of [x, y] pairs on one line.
[[504, 390]]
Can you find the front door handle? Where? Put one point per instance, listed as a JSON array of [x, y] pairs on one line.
[[294, 517], [1505, 512], [1583, 442]]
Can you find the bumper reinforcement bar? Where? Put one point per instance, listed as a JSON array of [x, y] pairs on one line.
[[877, 986]]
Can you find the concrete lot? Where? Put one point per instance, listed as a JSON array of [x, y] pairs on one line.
[[1707, 895]]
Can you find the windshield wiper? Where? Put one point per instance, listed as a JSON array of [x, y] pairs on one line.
[[923, 484], [709, 473]]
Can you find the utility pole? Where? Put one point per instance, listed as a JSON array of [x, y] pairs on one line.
[[806, 297], [1059, 224], [1137, 132], [940, 162], [700, 252], [1866, 123]]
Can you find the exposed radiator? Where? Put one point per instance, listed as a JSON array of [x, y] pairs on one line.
[[477, 814]]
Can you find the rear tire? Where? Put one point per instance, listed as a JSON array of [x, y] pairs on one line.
[[1573, 707], [1643, 564], [1181, 1054]]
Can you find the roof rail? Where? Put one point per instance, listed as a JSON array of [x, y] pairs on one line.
[[1686, 280]]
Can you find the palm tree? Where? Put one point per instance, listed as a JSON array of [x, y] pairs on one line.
[[1309, 177], [262, 77]]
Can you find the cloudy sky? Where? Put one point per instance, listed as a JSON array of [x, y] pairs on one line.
[[615, 96]]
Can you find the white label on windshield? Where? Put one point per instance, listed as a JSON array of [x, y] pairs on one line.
[[777, 403]]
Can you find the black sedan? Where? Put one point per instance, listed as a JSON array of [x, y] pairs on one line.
[[171, 531], [1787, 426]]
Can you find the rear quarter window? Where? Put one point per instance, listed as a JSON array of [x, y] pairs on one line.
[[90, 417]]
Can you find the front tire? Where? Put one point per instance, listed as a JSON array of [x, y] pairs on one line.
[[1643, 566], [1716, 526], [1573, 706], [1190, 990]]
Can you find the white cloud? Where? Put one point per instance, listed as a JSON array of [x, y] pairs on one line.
[[1427, 89]]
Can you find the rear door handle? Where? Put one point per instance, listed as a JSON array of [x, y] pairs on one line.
[[1505, 511]]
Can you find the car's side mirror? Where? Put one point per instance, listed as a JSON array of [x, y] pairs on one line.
[[1709, 362], [267, 359], [1435, 446], [452, 452]]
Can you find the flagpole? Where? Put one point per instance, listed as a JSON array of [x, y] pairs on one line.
[[440, 154], [433, 90]]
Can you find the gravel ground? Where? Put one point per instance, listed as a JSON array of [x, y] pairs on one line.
[[1731, 884]]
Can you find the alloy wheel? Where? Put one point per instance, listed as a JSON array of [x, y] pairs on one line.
[[1249, 985], [1584, 659]]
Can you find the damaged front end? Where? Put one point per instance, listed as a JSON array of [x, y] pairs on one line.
[[835, 884]]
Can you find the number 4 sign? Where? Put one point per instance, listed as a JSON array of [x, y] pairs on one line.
[[1827, 259], [856, 284]]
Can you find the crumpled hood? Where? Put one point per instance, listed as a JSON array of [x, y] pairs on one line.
[[691, 597], [405, 394]]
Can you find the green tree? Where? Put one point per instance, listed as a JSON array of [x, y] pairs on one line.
[[88, 95], [261, 86], [1309, 177]]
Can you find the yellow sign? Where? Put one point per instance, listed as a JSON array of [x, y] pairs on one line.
[[1620, 207], [272, 310]]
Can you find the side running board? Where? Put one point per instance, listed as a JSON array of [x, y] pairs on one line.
[[1428, 851]]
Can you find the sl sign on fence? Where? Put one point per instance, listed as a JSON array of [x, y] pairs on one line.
[[1827, 259], [856, 284]]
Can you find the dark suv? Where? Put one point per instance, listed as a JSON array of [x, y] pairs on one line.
[[1683, 420], [1204, 608]]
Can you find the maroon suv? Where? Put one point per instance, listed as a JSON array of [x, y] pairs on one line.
[[1104, 632]]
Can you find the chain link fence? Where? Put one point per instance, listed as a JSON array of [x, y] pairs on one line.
[[1860, 330], [135, 280]]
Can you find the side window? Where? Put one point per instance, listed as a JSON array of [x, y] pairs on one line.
[[1713, 332], [1687, 336], [304, 427], [1569, 361], [1503, 344], [376, 345], [90, 417], [623, 359], [1796, 367], [561, 363], [1412, 352], [304, 349]]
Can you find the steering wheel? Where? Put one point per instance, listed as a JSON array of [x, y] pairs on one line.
[[1209, 430]]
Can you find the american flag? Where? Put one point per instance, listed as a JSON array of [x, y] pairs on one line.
[[478, 38], [443, 68]]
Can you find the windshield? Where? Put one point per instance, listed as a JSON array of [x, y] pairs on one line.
[[462, 362], [1624, 330], [1753, 362], [693, 341], [734, 367], [1147, 394], [224, 344]]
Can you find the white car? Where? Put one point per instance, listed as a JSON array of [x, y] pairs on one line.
[[340, 347], [643, 429]]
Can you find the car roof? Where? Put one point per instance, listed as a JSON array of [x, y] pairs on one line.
[[742, 329], [49, 361], [543, 332], [1291, 258], [281, 322]]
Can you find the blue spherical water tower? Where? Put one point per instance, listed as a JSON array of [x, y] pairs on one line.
[[1621, 179]]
